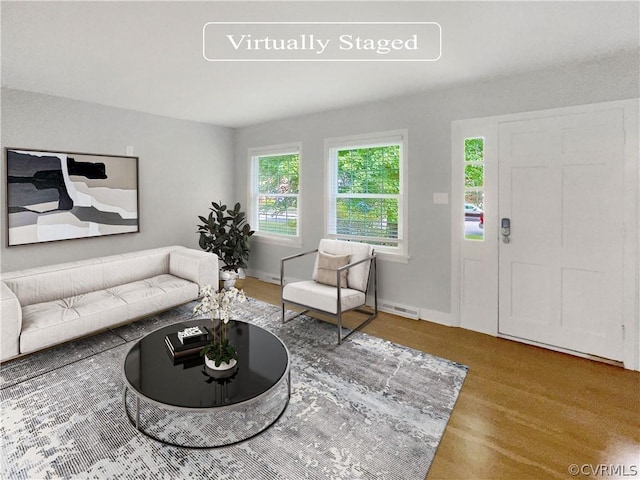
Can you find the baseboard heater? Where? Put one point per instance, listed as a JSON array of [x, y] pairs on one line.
[[402, 310], [270, 279]]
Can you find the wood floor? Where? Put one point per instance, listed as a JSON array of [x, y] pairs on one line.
[[524, 412]]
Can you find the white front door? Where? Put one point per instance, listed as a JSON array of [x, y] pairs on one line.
[[561, 187]]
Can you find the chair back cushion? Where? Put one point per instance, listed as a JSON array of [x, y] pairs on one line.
[[358, 276]]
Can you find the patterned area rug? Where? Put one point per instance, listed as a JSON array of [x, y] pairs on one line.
[[365, 409]]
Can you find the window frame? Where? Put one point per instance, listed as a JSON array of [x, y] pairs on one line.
[[399, 253], [254, 154]]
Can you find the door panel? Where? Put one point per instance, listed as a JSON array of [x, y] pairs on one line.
[[530, 295], [532, 210], [474, 295], [560, 277]]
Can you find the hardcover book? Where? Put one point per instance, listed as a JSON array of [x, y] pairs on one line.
[[192, 335], [177, 349]]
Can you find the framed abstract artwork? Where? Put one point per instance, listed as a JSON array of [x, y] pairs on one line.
[[65, 195]]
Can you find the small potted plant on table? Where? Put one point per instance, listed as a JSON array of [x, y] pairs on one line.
[[220, 354]]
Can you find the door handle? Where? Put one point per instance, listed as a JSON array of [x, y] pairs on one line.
[[505, 229]]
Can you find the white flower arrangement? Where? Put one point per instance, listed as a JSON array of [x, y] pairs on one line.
[[218, 305]]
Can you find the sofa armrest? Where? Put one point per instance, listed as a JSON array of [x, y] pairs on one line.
[[10, 323], [195, 265]]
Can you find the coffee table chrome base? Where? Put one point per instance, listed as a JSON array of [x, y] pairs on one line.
[[208, 427]]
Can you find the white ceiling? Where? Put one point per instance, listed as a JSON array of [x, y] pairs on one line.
[[147, 56]]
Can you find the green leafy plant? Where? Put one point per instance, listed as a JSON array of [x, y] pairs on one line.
[[220, 351], [226, 233]]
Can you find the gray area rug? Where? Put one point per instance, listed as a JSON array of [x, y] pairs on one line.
[[365, 409]]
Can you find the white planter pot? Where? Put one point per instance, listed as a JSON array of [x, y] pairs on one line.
[[222, 367], [228, 279]]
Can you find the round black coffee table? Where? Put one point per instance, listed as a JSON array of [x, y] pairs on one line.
[[179, 403]]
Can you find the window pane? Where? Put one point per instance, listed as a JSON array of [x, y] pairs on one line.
[[278, 174], [474, 215], [278, 215], [473, 176], [473, 192], [366, 194], [369, 170], [474, 150], [367, 217]]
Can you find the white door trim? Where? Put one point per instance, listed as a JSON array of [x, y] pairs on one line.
[[631, 288]]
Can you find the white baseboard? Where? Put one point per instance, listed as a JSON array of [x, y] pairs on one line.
[[435, 316], [264, 276], [270, 277]]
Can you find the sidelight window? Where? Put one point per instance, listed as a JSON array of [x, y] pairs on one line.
[[474, 189]]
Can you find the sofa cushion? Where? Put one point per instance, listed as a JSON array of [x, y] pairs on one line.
[[50, 323], [322, 297], [134, 266], [45, 284], [53, 282]]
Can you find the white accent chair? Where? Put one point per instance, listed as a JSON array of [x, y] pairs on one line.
[[334, 293]]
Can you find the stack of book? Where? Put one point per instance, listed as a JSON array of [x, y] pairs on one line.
[[187, 342]]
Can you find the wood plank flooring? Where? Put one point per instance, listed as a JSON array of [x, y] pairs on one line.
[[524, 412]]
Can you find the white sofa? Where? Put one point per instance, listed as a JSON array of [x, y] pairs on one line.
[[44, 306]]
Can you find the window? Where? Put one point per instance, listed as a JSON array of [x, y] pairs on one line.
[[366, 190], [474, 188], [275, 191]]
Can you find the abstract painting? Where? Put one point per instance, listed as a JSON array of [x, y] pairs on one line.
[[63, 195]]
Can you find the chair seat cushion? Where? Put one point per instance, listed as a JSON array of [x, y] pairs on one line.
[[322, 297]]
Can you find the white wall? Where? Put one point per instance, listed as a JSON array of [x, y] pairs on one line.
[[183, 166], [424, 282]]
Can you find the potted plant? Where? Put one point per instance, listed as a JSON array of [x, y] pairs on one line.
[[226, 233], [220, 354]]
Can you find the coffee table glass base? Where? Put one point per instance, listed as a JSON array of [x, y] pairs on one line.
[[208, 427]]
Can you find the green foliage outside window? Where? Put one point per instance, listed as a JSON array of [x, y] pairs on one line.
[[473, 179], [364, 174], [369, 170], [278, 187], [279, 174], [474, 152]]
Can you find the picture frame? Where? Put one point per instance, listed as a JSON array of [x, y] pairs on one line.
[[54, 195]]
